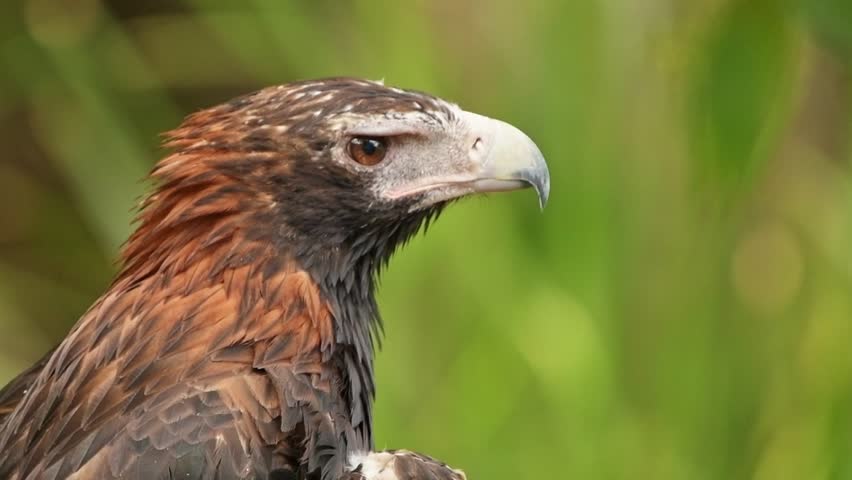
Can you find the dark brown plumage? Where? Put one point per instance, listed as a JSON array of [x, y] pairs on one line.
[[237, 339]]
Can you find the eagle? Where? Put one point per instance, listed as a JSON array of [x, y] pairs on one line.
[[237, 338]]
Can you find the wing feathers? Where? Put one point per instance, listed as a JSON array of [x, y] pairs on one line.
[[200, 384]]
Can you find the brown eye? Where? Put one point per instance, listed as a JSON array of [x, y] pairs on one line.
[[367, 150]]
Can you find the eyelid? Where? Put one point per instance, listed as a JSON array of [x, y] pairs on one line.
[[387, 130], [389, 138]]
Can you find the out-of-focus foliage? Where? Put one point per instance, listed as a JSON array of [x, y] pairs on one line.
[[682, 308]]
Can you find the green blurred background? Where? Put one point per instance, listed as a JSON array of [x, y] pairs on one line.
[[681, 309]]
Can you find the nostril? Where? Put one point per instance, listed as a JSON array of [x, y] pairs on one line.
[[478, 144]]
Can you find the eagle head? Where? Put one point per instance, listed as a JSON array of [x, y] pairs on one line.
[[332, 174]]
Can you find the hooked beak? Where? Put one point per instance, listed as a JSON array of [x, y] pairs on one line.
[[487, 156], [504, 158]]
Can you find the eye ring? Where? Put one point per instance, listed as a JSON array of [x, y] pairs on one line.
[[367, 151]]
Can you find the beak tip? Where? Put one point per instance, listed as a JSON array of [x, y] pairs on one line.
[[543, 191], [542, 199], [540, 179]]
